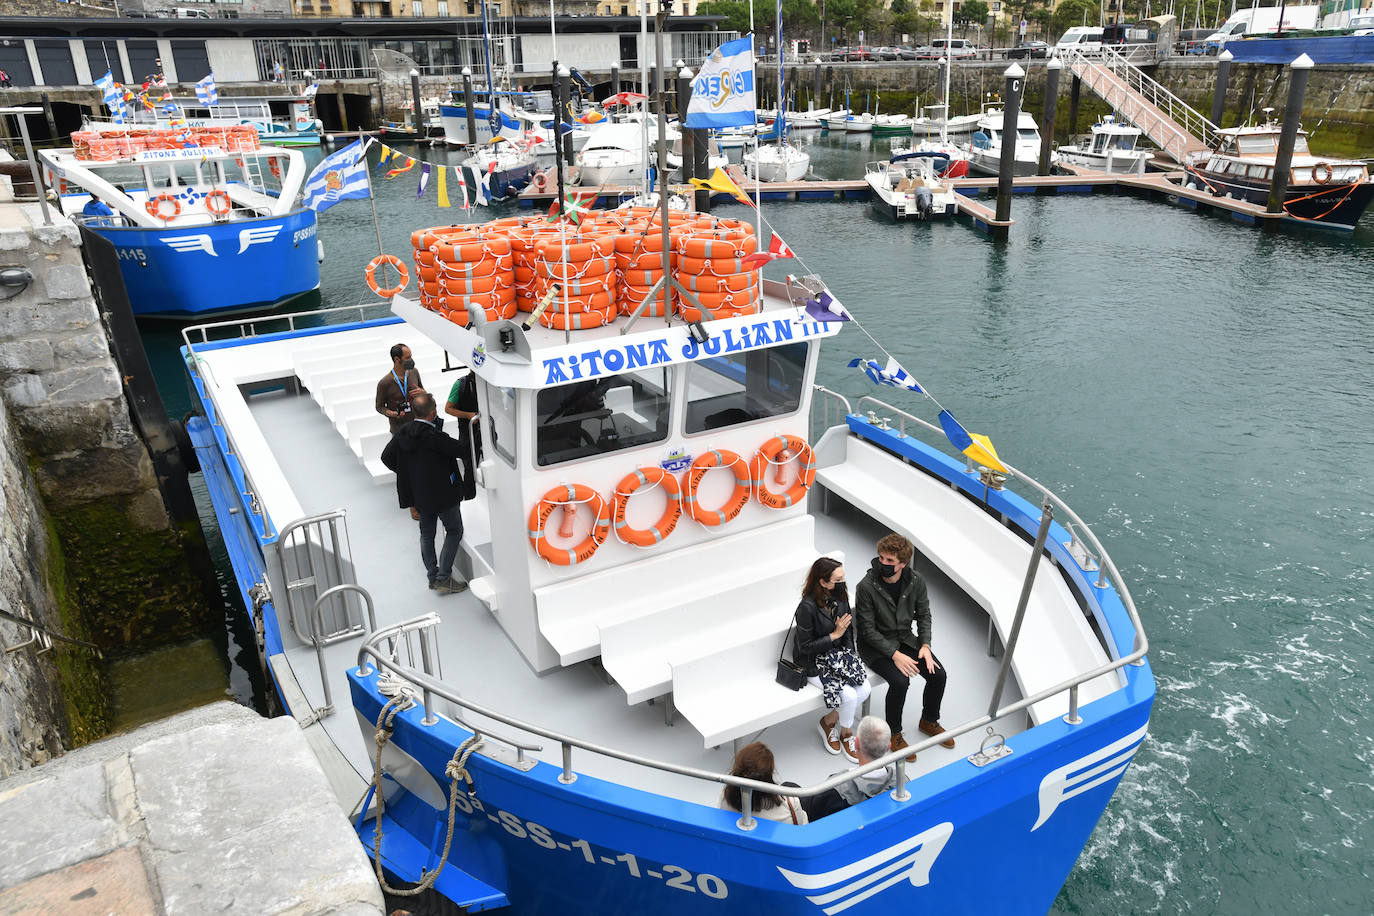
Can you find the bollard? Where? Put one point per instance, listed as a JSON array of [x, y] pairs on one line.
[[1299, 71], [689, 136], [816, 86], [1006, 169], [470, 105], [615, 81], [417, 118], [1219, 94], [1052, 70], [1074, 89]]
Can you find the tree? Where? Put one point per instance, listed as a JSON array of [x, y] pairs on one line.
[[735, 12], [976, 12], [1072, 12]]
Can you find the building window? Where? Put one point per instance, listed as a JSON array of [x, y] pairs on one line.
[[624, 11], [472, 8], [417, 7], [443, 7]]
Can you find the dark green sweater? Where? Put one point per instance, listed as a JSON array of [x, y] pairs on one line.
[[884, 624]]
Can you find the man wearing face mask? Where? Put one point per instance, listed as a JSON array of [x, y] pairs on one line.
[[890, 598], [395, 388]]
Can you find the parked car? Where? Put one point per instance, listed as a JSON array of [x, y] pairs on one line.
[[1192, 41], [861, 52], [906, 52], [1029, 49], [885, 54], [958, 48]]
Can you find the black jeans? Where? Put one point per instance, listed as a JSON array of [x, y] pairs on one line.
[[897, 684], [452, 517]]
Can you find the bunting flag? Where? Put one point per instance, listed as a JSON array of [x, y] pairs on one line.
[[442, 189], [387, 153], [721, 181], [777, 249], [400, 169], [473, 179], [893, 375], [206, 92], [826, 307], [977, 447], [462, 186], [339, 176], [424, 180]]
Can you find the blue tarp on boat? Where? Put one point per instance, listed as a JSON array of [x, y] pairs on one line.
[[1337, 49]]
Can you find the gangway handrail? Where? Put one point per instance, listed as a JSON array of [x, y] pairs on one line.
[[248, 327], [1104, 560]]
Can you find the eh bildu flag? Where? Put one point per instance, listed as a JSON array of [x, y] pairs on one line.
[[723, 92], [339, 176]]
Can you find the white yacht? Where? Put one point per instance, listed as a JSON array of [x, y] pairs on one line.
[[985, 148], [1111, 147]]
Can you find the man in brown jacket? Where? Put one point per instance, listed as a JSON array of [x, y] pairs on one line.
[[394, 389]]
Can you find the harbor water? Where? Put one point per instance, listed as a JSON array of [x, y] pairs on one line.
[[1200, 392]]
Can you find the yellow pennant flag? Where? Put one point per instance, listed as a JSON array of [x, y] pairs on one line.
[[443, 187], [410, 164], [721, 181]]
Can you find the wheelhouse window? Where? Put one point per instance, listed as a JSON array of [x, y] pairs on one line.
[[600, 415], [743, 387]]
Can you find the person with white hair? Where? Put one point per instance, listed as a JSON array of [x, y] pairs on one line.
[[871, 741]]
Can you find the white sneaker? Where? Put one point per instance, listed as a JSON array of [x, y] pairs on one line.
[[850, 749]]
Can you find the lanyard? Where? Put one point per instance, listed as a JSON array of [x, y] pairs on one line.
[[400, 384]]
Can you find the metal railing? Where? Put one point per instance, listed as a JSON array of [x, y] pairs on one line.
[[42, 636], [430, 687], [317, 622], [1108, 69], [832, 406], [315, 556]]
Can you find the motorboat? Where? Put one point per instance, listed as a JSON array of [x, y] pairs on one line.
[[432, 124], [715, 157], [911, 186], [859, 123], [495, 114], [501, 742], [952, 155], [285, 119], [934, 124], [205, 221], [1110, 147], [614, 154], [985, 148], [776, 162], [1322, 190], [892, 124], [837, 120], [809, 119], [508, 167]]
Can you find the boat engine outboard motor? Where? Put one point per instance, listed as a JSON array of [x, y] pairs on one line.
[[924, 203]]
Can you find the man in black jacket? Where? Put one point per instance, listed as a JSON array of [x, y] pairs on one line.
[[426, 462], [889, 599]]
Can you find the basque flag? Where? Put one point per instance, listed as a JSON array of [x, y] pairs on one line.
[[206, 91], [892, 375]]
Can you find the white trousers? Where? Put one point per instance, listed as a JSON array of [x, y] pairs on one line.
[[851, 698]]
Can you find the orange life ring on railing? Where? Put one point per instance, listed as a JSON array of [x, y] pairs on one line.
[[223, 197], [568, 495], [646, 537], [759, 470], [717, 458], [154, 207], [1325, 176], [394, 262], [541, 181]]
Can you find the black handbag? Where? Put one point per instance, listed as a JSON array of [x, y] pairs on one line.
[[790, 674]]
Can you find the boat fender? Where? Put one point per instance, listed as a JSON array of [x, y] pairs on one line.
[[1322, 172], [770, 453], [561, 495], [395, 262]]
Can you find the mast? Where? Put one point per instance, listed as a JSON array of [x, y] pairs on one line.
[[782, 103], [644, 87], [495, 119], [949, 40]]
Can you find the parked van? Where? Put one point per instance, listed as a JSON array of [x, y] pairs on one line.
[[1262, 21], [186, 12], [1087, 39]]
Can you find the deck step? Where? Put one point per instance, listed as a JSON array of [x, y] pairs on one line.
[[403, 857]]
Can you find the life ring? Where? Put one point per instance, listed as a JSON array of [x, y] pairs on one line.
[[155, 208], [540, 181], [569, 495], [224, 206], [274, 167], [394, 262], [646, 537], [717, 458], [766, 455], [1322, 172]]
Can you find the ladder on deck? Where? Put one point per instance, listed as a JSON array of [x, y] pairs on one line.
[[1171, 123]]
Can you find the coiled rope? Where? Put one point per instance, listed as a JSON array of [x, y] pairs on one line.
[[455, 770]]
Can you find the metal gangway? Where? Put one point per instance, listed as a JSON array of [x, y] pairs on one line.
[[1171, 123]]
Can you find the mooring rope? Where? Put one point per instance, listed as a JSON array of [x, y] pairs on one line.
[[455, 770]]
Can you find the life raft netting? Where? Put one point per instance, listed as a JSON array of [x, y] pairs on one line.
[[111, 145], [603, 269]]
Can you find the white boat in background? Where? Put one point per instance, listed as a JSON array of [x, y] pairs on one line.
[[776, 162], [837, 120], [715, 158], [809, 119], [955, 161], [892, 124], [911, 186], [734, 137], [614, 154], [985, 148], [859, 123], [280, 120], [1111, 148]]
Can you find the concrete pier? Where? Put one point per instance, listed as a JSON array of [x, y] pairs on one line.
[[213, 810]]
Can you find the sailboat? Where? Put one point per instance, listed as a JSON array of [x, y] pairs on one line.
[[782, 162], [956, 157]]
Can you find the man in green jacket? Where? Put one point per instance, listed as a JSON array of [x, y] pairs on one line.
[[891, 596]]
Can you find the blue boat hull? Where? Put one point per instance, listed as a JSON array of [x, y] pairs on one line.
[[1001, 838], [216, 268]]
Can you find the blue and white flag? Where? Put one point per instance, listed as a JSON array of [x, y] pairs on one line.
[[113, 97], [206, 91], [339, 176], [893, 375], [826, 307], [723, 92], [310, 90]]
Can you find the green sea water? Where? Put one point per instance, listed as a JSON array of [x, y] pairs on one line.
[[1200, 392]]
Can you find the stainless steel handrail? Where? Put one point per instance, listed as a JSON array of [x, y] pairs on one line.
[[1104, 559], [248, 328], [430, 686], [316, 617], [826, 399]]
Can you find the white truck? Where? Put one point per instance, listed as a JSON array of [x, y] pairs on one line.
[[1262, 21]]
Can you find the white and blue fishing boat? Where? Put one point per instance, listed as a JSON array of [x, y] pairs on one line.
[[199, 231], [555, 739], [287, 119]]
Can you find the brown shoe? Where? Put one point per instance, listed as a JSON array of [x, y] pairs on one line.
[[933, 729], [898, 743], [830, 737]]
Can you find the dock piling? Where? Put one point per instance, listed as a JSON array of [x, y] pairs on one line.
[[615, 81], [1075, 90], [689, 135], [1052, 71], [471, 105], [1300, 70], [417, 120], [1219, 93], [1006, 167]]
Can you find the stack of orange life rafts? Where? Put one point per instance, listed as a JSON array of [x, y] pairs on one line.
[[598, 270]]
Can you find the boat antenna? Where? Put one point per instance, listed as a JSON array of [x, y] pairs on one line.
[[495, 118], [553, 31]]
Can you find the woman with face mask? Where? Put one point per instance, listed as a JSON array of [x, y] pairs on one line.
[[826, 651]]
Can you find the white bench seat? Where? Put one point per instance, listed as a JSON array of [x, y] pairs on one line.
[[985, 559], [571, 613]]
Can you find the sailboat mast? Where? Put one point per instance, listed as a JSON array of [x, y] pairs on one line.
[[644, 88], [495, 118], [949, 40]]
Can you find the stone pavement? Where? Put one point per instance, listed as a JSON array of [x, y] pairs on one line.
[[216, 810]]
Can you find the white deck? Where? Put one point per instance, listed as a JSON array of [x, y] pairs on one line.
[[309, 468]]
